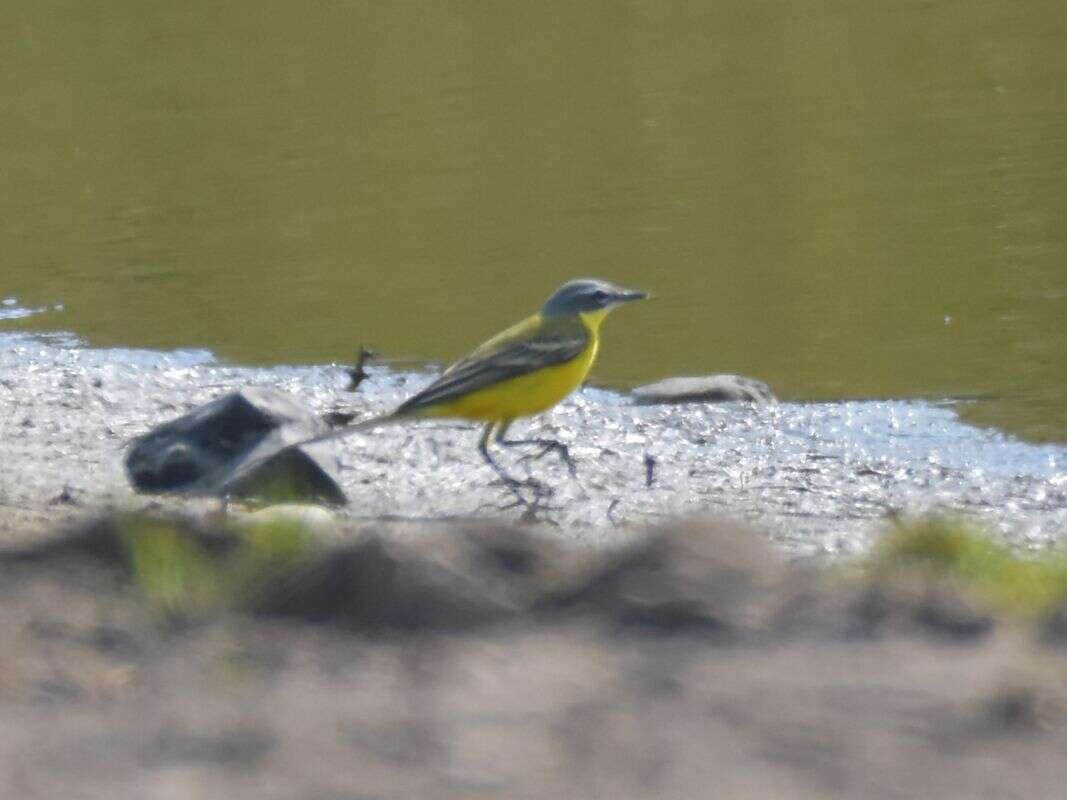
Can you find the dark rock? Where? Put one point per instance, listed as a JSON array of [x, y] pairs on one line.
[[238, 445], [706, 389], [453, 580], [948, 615], [376, 586], [708, 579]]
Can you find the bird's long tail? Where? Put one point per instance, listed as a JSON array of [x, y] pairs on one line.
[[337, 433], [348, 430]]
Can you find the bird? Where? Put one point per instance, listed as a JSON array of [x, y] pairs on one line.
[[523, 371]]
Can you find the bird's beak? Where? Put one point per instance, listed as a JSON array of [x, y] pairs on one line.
[[627, 295]]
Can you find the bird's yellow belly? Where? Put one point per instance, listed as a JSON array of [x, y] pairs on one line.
[[522, 396]]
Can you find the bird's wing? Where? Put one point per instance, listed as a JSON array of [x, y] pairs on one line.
[[527, 347]]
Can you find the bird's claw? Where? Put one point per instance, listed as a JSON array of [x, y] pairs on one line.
[[531, 506], [532, 511], [560, 449], [538, 488]]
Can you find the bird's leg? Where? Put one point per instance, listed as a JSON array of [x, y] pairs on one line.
[[513, 484], [546, 445]]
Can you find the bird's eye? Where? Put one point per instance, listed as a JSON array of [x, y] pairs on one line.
[[600, 295]]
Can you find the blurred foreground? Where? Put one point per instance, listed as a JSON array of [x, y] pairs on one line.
[[158, 658]]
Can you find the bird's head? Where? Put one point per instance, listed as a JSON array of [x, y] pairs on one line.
[[588, 297]]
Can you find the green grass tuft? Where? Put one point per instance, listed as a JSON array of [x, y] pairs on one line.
[[183, 575], [169, 568], [1020, 585]]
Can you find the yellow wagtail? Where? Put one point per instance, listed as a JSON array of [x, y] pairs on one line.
[[522, 371]]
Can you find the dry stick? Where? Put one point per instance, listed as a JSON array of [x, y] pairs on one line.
[[357, 374], [650, 470]]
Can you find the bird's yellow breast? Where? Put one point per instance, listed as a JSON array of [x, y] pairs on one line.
[[522, 396]]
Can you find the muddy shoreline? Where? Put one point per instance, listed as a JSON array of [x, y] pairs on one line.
[[821, 478]]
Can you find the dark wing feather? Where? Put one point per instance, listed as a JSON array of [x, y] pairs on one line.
[[482, 369]]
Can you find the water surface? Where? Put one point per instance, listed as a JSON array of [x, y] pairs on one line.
[[843, 199]]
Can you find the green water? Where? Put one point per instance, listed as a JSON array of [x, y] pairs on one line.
[[841, 198]]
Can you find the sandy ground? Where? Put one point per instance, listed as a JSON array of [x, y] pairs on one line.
[[696, 664]]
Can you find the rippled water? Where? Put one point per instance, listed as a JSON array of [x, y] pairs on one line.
[[843, 199]]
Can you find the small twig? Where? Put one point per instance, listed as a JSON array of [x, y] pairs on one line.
[[357, 374], [611, 512], [650, 470]]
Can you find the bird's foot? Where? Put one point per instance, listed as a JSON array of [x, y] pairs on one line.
[[539, 513], [535, 510], [530, 494], [516, 485], [553, 446]]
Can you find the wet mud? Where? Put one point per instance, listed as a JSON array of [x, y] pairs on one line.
[[821, 478]]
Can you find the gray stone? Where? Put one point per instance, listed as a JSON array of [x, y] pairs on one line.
[[706, 389], [238, 445]]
